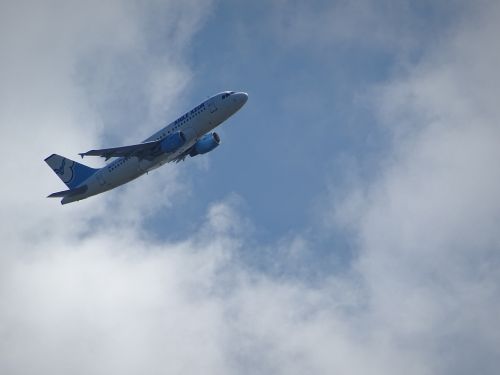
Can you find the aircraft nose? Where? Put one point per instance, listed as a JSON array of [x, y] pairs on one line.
[[241, 97]]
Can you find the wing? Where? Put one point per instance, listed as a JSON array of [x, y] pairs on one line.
[[182, 156], [146, 150]]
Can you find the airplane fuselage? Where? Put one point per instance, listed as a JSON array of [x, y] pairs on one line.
[[193, 124]]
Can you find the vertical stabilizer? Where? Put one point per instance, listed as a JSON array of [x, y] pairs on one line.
[[69, 171]]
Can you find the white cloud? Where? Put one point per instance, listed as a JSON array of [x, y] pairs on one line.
[[427, 227], [85, 296], [51, 103]]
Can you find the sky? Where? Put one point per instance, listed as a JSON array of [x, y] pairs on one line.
[[348, 223]]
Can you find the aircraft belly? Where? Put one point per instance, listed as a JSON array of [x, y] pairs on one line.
[[148, 166]]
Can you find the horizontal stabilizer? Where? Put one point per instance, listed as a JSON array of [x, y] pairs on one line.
[[69, 193]]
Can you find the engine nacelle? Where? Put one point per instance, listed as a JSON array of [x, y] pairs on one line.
[[173, 142], [205, 144]]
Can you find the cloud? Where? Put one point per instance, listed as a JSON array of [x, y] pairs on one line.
[[55, 98], [87, 289], [426, 227]]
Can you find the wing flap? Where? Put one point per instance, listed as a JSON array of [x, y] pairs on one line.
[[181, 156]]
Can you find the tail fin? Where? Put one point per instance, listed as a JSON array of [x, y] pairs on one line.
[[69, 171]]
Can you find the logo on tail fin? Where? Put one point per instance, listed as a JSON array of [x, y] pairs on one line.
[[65, 171], [69, 171]]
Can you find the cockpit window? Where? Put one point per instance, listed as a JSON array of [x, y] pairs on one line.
[[226, 94]]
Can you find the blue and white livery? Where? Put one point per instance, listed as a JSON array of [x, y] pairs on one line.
[[189, 135]]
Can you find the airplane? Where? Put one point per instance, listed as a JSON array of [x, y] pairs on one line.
[[189, 135]]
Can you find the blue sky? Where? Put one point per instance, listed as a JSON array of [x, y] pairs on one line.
[[347, 224], [310, 110], [296, 125]]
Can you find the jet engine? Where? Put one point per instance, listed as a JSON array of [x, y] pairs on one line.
[[172, 142], [205, 144]]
